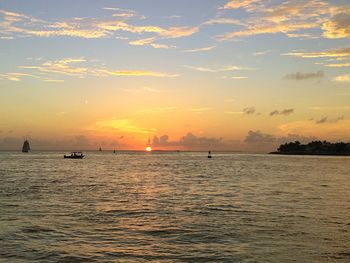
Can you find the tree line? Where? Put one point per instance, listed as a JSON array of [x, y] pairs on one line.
[[315, 147]]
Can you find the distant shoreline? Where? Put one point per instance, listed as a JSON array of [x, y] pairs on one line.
[[315, 154], [314, 148]]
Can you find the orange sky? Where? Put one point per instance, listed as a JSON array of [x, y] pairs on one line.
[[226, 75]]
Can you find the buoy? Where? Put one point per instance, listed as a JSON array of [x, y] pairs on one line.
[[209, 154]]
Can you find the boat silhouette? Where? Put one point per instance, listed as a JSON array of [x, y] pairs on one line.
[[26, 146], [74, 155]]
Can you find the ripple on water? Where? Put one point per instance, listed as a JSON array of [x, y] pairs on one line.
[[174, 207]]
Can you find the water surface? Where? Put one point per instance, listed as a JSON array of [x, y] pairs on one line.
[[174, 207]]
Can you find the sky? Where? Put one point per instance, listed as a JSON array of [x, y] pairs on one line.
[[234, 75]]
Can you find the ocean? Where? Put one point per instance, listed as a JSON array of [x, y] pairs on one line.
[[174, 207]]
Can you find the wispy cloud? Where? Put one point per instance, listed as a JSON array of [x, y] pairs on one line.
[[305, 76], [153, 90], [141, 73], [16, 24], [234, 4], [65, 66], [235, 77], [199, 49], [302, 36], [77, 67], [249, 110], [291, 18], [342, 78], [122, 125], [150, 42], [17, 76], [218, 69], [326, 119], [200, 109], [142, 42], [261, 53], [162, 46], [339, 52], [224, 21], [282, 112], [322, 108]]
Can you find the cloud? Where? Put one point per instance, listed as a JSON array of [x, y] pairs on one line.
[[162, 46], [258, 137], [338, 65], [176, 32], [19, 25], [291, 18], [63, 66], [188, 141], [217, 69], [249, 110], [282, 112], [322, 108], [17, 76], [138, 73], [305, 76], [267, 28], [342, 78], [200, 110], [338, 26], [153, 90], [150, 42], [122, 125], [270, 140], [129, 11], [199, 49], [78, 67], [261, 53], [326, 119], [142, 42], [234, 4], [339, 52], [173, 17], [224, 21], [235, 77], [302, 36]]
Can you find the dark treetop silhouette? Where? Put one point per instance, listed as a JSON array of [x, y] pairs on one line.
[[314, 148]]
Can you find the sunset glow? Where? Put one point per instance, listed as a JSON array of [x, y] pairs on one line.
[[225, 75], [148, 149]]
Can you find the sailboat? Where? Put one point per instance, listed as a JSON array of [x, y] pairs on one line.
[[26, 147], [100, 149]]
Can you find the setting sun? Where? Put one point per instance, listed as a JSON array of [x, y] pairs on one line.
[[148, 149]]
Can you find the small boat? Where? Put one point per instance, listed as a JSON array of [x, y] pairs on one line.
[[74, 155], [25, 147], [209, 154], [100, 150]]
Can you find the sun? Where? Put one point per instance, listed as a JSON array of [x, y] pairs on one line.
[[148, 149]]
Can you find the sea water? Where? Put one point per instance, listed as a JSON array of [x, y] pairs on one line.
[[174, 207]]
